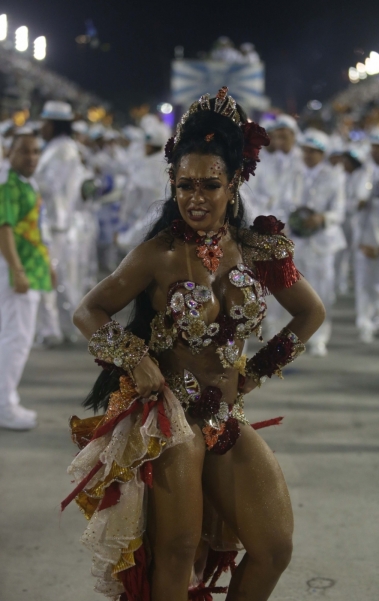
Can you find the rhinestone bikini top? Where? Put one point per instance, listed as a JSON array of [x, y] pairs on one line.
[[183, 317]]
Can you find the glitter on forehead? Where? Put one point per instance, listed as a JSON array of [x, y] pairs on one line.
[[198, 181]]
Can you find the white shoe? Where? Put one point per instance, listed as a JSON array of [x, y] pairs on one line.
[[14, 418], [366, 336], [318, 349], [28, 413]]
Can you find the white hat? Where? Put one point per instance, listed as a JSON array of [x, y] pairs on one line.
[[57, 111], [133, 133], [24, 131], [359, 153], [374, 135], [157, 136], [156, 132], [247, 47], [96, 131], [287, 122], [268, 124], [111, 134], [5, 126], [80, 127], [314, 138], [34, 125]]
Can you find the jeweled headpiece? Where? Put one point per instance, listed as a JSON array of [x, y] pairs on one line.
[[254, 136], [224, 104]]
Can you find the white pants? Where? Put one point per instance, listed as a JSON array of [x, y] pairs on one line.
[[344, 259], [57, 307], [319, 270], [18, 313], [366, 291]]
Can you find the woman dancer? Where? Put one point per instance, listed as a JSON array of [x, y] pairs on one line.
[[173, 478]]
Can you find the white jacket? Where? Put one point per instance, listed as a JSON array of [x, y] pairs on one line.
[[59, 175], [322, 189], [273, 186]]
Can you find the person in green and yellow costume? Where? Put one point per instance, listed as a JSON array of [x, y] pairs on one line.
[[25, 271]]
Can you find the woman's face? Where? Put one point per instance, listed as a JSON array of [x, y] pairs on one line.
[[203, 191]]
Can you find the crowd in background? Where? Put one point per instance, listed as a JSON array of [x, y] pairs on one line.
[[100, 189]]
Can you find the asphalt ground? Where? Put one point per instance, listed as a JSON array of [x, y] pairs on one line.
[[328, 448]]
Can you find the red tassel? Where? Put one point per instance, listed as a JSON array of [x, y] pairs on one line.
[[163, 421], [276, 421], [103, 429], [111, 497], [147, 407], [81, 486], [204, 593], [135, 579], [146, 472], [276, 274]]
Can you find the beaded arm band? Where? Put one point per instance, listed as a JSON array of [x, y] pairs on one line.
[[112, 344], [278, 352]]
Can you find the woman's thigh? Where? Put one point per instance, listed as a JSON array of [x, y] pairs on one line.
[[247, 487], [176, 500]]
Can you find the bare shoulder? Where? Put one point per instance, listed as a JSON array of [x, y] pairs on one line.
[[149, 254]]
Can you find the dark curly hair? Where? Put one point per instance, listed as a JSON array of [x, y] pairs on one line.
[[227, 143]]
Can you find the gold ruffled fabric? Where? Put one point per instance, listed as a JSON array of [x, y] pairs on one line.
[[113, 534]]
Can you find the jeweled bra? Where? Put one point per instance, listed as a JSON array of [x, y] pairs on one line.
[[183, 317]]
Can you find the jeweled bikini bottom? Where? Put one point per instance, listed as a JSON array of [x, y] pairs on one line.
[[221, 420]]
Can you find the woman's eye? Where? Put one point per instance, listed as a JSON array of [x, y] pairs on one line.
[[212, 187], [184, 186]]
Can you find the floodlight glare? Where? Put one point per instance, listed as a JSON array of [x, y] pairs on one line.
[[22, 38], [353, 75], [372, 64], [166, 108], [3, 27], [40, 48]]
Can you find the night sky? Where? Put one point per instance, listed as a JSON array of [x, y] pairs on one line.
[[307, 47]]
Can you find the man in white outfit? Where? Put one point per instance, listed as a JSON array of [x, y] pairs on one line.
[[366, 242], [24, 272], [274, 190], [321, 190], [60, 175], [356, 181], [147, 184], [275, 193], [250, 191]]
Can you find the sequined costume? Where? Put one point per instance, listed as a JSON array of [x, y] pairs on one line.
[[115, 465]]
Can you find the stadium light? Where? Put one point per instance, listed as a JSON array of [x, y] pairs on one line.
[[166, 108], [3, 27], [40, 48], [372, 64], [22, 38], [353, 75]]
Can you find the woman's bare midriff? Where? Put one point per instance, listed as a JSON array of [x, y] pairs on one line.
[[205, 366]]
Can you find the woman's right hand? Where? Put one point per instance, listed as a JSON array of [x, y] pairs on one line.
[[148, 378]]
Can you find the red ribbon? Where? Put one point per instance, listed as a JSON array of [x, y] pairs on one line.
[[276, 421]]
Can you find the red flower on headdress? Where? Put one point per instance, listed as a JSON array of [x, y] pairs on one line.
[[168, 150], [268, 225], [255, 137]]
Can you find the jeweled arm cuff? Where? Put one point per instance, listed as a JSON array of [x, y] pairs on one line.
[[112, 344], [278, 352]]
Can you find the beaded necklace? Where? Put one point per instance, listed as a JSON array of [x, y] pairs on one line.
[[207, 249]]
